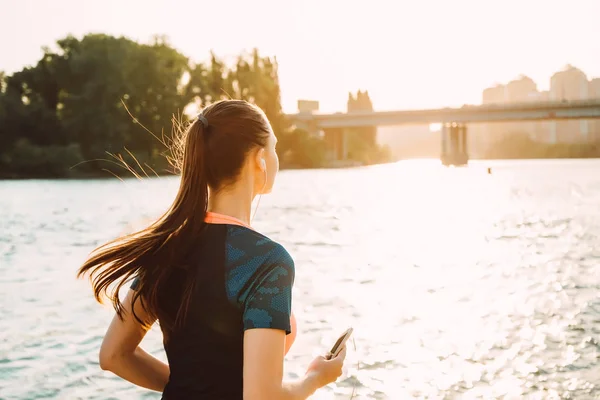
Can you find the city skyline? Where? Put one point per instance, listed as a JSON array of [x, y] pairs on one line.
[[526, 86], [436, 53], [568, 84]]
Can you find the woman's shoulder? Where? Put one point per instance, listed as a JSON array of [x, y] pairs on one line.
[[254, 261], [245, 244]]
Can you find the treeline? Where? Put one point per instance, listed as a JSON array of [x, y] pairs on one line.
[[362, 142], [520, 146], [99, 98]]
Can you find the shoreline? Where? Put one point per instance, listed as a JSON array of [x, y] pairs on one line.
[[338, 165]]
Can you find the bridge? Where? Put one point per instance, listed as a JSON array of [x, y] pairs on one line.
[[453, 120]]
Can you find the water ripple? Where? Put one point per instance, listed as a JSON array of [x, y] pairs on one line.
[[458, 284]]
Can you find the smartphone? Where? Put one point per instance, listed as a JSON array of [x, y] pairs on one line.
[[339, 344]]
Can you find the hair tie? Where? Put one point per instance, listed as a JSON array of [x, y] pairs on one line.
[[202, 119]]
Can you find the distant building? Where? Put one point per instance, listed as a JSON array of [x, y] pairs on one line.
[[522, 90], [594, 90], [542, 131], [570, 84], [484, 135], [308, 106], [494, 95], [594, 93], [567, 85]]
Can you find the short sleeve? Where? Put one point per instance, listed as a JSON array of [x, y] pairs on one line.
[[269, 303]]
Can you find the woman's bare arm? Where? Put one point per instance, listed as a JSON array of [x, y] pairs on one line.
[[263, 368], [120, 352]]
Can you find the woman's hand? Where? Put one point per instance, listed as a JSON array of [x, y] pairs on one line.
[[327, 371]]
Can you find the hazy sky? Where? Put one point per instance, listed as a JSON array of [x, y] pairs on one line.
[[408, 54]]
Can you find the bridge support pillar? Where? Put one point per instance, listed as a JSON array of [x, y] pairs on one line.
[[336, 143], [454, 144]]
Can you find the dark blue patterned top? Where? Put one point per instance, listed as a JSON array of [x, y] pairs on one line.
[[243, 280], [259, 279]]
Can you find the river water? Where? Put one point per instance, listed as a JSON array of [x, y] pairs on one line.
[[458, 283]]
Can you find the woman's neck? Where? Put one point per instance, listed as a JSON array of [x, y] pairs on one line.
[[235, 202]]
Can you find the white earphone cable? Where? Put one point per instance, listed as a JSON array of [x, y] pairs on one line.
[[260, 195]]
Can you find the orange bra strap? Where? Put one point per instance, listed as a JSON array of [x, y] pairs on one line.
[[216, 218]]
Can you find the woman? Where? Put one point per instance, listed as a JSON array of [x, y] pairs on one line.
[[220, 291]]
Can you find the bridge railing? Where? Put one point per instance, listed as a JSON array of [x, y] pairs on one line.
[[581, 109]]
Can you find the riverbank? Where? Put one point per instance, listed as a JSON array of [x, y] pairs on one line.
[[103, 174]]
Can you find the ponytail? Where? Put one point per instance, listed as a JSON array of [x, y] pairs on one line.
[[152, 254]]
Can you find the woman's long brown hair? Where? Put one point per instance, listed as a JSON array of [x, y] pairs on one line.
[[210, 156]]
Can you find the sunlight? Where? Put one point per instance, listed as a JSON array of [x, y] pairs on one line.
[[435, 188], [435, 127]]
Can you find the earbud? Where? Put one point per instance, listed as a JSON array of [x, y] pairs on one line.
[[263, 166]]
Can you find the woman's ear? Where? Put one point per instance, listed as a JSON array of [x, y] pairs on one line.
[[260, 159]]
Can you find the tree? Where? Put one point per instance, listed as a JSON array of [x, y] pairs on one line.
[[113, 85], [256, 79], [102, 94], [85, 92], [299, 149], [362, 142], [2, 82]]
